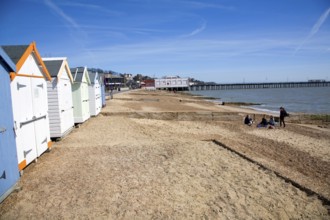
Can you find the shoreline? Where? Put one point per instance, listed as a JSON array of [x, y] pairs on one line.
[[278, 97], [321, 119], [151, 154]]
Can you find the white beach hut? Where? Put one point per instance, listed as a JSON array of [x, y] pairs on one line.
[[29, 102], [94, 89], [60, 105], [80, 95], [9, 174]]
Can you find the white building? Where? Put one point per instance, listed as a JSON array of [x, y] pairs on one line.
[[172, 83]]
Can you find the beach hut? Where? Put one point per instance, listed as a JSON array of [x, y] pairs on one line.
[[9, 173], [80, 96], [60, 106], [102, 91], [94, 89], [29, 102]]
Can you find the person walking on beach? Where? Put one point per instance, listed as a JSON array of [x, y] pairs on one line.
[[111, 92], [283, 114]]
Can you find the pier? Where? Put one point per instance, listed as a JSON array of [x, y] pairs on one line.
[[258, 85]]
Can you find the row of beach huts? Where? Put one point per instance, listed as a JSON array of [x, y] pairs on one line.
[[41, 99]]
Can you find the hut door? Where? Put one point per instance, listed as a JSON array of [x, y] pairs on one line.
[[98, 101], [85, 100], [21, 92], [8, 156], [66, 104], [40, 108], [103, 94]]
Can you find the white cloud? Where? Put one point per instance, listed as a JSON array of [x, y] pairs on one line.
[[59, 12], [78, 35], [184, 50], [319, 23], [93, 7], [315, 29], [197, 30], [202, 5], [187, 55]]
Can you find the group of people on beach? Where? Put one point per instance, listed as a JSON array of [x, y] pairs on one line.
[[267, 123]]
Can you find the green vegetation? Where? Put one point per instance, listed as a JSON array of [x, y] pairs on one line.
[[321, 117]]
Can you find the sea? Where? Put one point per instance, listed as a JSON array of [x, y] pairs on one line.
[[310, 100]]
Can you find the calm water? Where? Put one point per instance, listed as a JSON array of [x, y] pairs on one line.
[[303, 100]]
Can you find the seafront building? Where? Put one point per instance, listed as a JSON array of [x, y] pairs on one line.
[[113, 81], [148, 84], [172, 83]]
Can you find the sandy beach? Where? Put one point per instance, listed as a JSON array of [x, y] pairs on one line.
[[163, 155]]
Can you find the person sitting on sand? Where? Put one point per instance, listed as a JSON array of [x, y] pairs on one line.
[[271, 121], [263, 123], [248, 120]]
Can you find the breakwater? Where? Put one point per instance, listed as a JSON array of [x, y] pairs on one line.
[[258, 85]]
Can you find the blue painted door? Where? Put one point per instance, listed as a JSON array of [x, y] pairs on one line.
[[9, 173], [103, 95]]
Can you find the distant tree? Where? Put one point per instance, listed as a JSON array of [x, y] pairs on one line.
[[138, 77], [199, 82], [146, 77], [113, 72]]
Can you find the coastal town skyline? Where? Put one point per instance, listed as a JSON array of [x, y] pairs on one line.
[[218, 41]]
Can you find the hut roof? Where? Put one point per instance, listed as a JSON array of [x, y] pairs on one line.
[[93, 76], [15, 52], [78, 74], [56, 66], [53, 66], [9, 64]]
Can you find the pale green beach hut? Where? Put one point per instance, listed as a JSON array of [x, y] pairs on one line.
[[80, 96]]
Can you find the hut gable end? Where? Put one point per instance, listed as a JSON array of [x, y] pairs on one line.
[[94, 77], [80, 75], [58, 67], [20, 54]]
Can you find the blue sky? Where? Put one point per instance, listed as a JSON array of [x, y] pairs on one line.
[[212, 40]]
